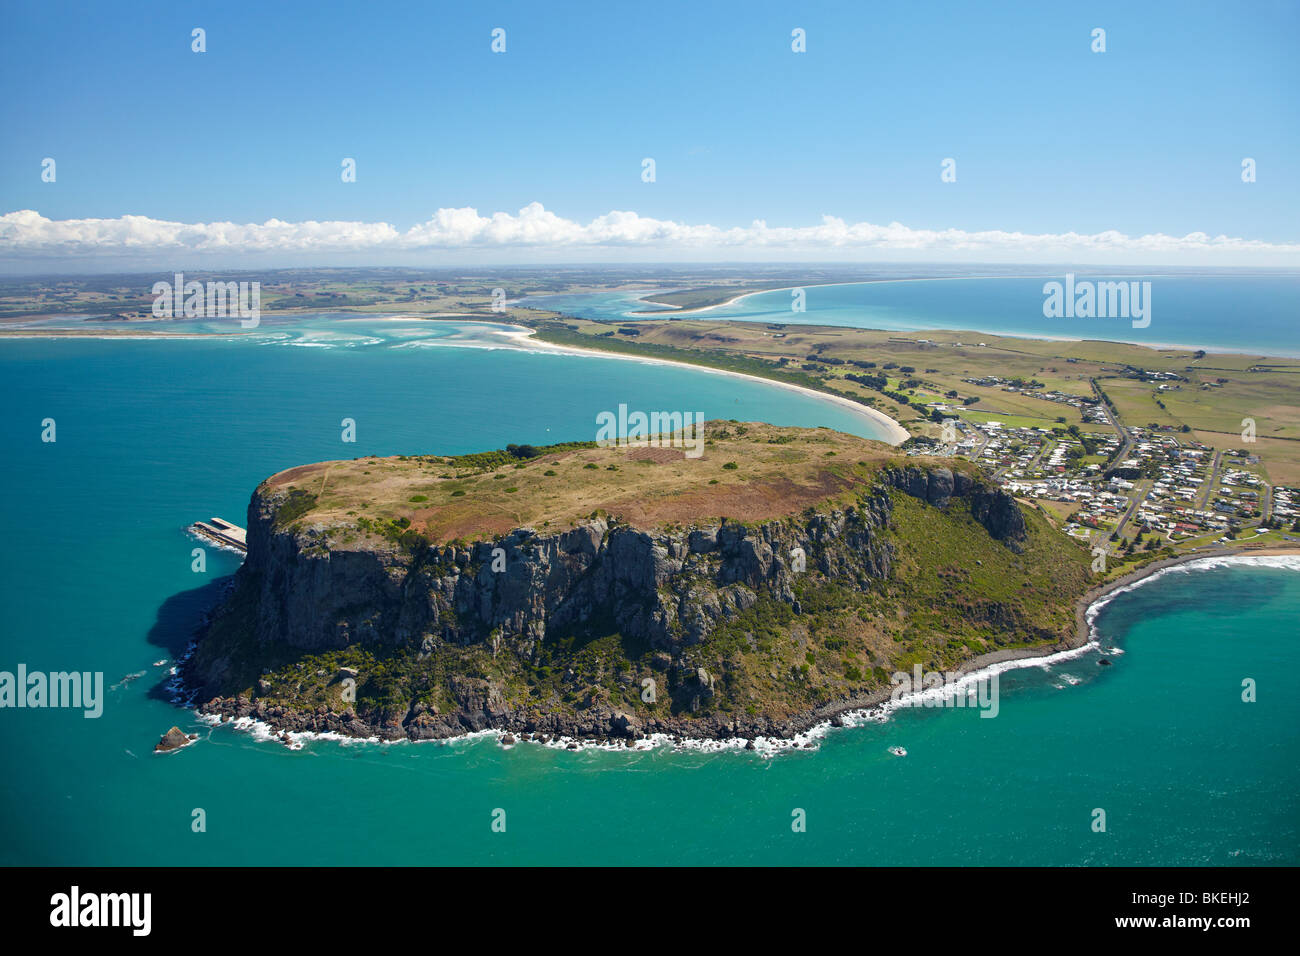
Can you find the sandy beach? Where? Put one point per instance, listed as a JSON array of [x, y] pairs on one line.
[[668, 308], [896, 432]]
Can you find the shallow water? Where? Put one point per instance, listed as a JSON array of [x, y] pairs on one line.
[[1253, 313], [153, 435]]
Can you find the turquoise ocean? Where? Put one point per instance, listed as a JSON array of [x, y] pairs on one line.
[[96, 575], [1238, 312]]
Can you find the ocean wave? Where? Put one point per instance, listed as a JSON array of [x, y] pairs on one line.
[[762, 746], [1286, 562], [454, 343], [127, 679], [213, 543], [808, 740], [262, 732]]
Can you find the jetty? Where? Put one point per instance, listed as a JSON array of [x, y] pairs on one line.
[[222, 532]]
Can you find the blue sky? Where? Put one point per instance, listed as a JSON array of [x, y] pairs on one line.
[[1048, 136]]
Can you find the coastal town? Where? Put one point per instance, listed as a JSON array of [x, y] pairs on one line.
[[1120, 487]]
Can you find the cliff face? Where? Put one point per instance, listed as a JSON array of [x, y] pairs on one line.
[[667, 590], [990, 506]]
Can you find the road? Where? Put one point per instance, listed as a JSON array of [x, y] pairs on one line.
[[1125, 440], [1140, 491], [1209, 482]]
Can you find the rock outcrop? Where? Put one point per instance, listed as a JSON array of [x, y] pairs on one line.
[[669, 589], [989, 505], [174, 739]]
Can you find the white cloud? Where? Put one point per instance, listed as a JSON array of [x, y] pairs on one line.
[[534, 229]]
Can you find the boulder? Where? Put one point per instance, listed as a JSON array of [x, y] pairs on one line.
[[625, 725], [174, 739]]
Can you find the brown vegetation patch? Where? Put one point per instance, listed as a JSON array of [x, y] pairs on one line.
[[742, 501], [658, 455], [749, 472], [294, 475]]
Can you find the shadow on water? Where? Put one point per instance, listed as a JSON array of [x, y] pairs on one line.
[[178, 620]]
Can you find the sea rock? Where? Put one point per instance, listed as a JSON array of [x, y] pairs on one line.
[[174, 739]]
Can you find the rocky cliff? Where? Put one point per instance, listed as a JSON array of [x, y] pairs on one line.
[[990, 506], [484, 633]]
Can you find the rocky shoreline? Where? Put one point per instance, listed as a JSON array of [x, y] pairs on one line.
[[611, 726], [669, 590]]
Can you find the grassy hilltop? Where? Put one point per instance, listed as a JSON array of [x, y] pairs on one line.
[[747, 472]]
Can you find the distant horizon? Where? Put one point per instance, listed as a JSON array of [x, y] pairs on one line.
[[663, 271]]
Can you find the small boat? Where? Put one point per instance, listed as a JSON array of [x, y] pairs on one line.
[[898, 751]]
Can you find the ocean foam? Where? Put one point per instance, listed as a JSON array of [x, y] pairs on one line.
[[1286, 562], [768, 747]]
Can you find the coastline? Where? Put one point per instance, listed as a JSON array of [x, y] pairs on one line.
[[1101, 595], [674, 312], [668, 307], [525, 339], [668, 313], [678, 310], [800, 731]]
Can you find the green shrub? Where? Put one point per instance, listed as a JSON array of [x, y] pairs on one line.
[[296, 504]]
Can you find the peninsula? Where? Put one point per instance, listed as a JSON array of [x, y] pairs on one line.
[[589, 592]]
